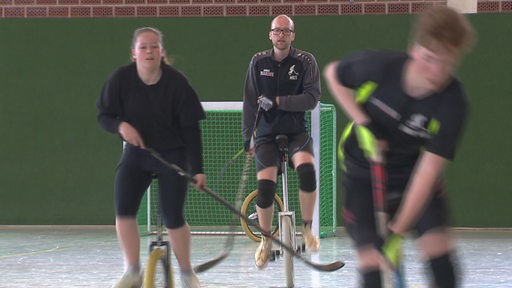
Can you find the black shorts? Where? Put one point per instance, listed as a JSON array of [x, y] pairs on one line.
[[134, 173], [267, 153], [358, 212]]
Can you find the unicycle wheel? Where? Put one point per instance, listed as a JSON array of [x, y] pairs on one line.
[[158, 271], [249, 209]]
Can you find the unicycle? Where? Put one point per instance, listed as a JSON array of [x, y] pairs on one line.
[[287, 226], [158, 271]]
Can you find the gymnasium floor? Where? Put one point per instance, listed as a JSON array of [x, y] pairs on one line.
[[90, 257]]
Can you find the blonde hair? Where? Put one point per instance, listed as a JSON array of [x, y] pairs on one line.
[[157, 32], [441, 27]]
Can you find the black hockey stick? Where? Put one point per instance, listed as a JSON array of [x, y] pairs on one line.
[[328, 267], [231, 237]]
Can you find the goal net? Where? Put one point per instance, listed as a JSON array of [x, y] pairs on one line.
[[223, 165]]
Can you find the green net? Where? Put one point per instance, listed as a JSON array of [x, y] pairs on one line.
[[223, 164]]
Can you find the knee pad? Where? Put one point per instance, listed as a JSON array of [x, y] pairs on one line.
[[266, 192], [443, 271], [307, 177]]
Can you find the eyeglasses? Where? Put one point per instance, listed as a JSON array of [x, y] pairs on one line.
[[277, 31]]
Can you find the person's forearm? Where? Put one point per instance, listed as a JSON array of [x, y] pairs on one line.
[[344, 96], [311, 92], [109, 123], [419, 191], [300, 102]]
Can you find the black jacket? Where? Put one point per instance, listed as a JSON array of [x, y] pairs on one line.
[[296, 80]]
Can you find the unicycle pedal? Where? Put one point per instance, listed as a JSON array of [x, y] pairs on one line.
[[274, 254]]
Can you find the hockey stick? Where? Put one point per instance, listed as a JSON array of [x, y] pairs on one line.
[[238, 204], [391, 277], [239, 199], [230, 240], [329, 267]]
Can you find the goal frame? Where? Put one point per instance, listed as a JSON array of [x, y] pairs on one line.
[[315, 130]]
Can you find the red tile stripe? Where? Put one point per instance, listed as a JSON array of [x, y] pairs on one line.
[[222, 8]]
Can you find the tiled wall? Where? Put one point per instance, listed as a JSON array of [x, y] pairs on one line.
[[219, 8]]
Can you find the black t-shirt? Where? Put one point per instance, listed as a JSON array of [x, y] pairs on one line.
[[433, 123]]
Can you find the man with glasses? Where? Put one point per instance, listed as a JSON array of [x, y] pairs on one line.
[[281, 85]]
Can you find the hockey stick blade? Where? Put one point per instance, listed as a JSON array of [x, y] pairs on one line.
[[327, 267], [213, 262], [230, 240]]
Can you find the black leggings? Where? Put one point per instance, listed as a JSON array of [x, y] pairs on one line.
[[134, 173]]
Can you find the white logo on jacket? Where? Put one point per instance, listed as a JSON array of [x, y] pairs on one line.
[[292, 73], [266, 72]]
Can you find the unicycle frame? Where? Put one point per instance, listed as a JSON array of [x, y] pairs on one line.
[[283, 150], [287, 226], [159, 252]]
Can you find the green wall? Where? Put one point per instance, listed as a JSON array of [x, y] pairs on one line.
[[57, 165]]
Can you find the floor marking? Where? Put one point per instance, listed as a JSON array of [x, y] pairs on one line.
[[34, 252]]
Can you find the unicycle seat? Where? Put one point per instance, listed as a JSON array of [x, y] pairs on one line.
[[282, 142]]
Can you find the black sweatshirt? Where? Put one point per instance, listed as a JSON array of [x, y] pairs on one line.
[[165, 114]]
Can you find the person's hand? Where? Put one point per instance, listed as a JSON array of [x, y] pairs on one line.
[[130, 135], [265, 103], [247, 145], [367, 141], [248, 148], [392, 250], [199, 181]]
